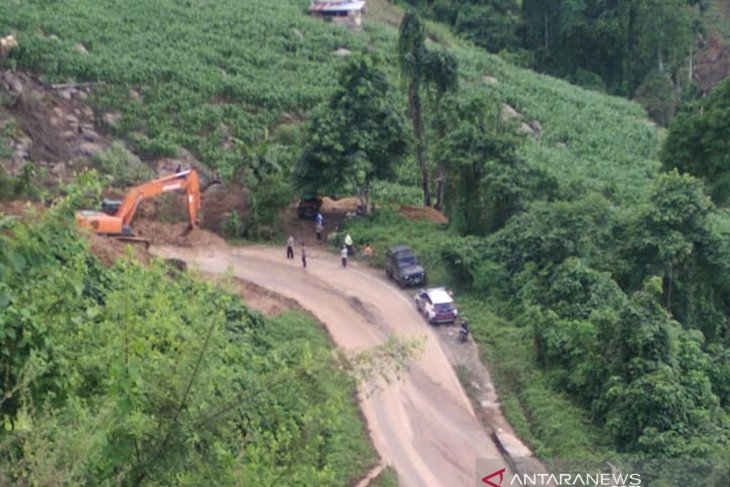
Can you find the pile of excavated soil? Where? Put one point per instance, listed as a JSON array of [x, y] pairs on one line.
[[341, 205], [108, 250], [175, 234], [219, 202], [423, 213]]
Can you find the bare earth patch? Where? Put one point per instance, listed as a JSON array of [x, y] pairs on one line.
[[175, 234], [109, 250], [423, 213], [258, 298]]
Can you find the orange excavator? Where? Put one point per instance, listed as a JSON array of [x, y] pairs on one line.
[[116, 216]]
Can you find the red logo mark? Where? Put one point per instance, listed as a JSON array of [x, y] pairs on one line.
[[494, 474]]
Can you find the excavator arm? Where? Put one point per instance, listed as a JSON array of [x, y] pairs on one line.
[[185, 180], [119, 222]]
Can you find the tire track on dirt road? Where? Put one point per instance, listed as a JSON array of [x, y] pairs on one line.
[[422, 425]]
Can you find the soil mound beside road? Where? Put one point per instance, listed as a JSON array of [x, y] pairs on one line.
[[341, 205], [175, 234], [423, 213], [108, 250]]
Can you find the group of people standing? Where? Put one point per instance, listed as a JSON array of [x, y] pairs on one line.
[[346, 251]]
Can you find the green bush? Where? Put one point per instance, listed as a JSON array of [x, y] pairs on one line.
[[232, 225], [125, 168], [266, 202], [131, 374]]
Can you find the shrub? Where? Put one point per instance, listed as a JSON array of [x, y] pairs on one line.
[[125, 168]]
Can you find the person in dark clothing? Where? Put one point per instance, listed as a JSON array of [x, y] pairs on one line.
[[290, 247], [304, 255]]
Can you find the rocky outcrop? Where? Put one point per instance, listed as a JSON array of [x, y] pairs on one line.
[[509, 114]]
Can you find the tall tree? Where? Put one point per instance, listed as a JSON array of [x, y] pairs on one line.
[[487, 181], [411, 54], [421, 68], [356, 137], [618, 41]]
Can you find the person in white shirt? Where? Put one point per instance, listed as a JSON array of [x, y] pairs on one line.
[[348, 245]]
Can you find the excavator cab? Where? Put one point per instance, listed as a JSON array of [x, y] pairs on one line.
[[111, 207]]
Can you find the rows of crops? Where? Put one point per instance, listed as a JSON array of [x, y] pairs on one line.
[[205, 72], [213, 76]]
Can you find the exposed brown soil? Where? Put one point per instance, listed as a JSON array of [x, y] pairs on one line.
[[108, 250], [35, 121], [259, 298], [18, 207], [218, 203], [56, 129], [423, 213], [176, 234], [341, 205], [334, 213]]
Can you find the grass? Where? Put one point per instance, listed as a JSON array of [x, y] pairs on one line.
[[387, 478], [350, 452], [546, 419], [383, 12]]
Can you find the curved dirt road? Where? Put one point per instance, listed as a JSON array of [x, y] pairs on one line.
[[423, 425]]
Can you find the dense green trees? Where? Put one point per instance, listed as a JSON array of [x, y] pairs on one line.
[[355, 138], [616, 46], [617, 43], [491, 24], [628, 309], [698, 142], [145, 376], [487, 182]]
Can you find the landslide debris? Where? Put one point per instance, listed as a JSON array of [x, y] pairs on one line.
[[175, 234]]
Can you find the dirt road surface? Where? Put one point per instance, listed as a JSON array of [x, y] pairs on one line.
[[422, 425]]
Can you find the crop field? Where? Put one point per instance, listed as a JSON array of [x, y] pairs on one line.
[[589, 141], [215, 76], [196, 74]]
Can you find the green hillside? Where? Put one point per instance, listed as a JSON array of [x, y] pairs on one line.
[[195, 66], [210, 73], [600, 297], [130, 375], [596, 142]]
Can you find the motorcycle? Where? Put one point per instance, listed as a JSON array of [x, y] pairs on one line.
[[463, 331]]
